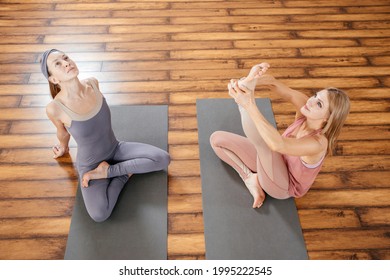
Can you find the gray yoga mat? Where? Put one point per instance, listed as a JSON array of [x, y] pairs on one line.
[[137, 227], [233, 229]]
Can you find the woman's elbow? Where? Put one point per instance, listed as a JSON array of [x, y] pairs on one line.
[[277, 147]]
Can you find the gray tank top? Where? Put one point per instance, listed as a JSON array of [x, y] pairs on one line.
[[92, 132]]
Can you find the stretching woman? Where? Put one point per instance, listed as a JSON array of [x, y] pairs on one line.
[[104, 164], [281, 165]]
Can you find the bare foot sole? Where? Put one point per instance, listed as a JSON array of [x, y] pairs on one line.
[[256, 191], [99, 172], [258, 70]]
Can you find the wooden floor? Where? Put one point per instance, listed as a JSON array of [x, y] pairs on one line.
[[173, 52]]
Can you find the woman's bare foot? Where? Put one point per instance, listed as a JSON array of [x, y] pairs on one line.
[[252, 183], [256, 71], [99, 172]]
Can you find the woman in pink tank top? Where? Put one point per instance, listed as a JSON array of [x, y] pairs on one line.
[[284, 165]]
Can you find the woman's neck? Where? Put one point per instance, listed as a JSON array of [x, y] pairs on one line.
[[72, 88], [312, 125]]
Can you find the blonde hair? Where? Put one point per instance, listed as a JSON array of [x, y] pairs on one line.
[[339, 107]]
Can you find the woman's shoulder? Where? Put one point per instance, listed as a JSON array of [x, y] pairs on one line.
[[91, 80], [53, 109]]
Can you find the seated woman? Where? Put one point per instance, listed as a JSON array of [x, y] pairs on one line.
[[104, 164], [284, 165]]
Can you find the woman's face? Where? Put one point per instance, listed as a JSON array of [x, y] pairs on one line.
[[61, 67], [317, 106]]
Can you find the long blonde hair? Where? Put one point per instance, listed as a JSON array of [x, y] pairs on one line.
[[339, 106]]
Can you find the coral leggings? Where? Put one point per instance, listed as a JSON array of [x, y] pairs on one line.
[[251, 152]]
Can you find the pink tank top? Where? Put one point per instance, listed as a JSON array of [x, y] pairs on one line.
[[302, 175]]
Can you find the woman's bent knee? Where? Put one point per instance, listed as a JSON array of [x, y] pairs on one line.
[[99, 215]]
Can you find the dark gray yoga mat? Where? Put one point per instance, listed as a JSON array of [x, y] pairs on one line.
[[137, 228], [233, 229]]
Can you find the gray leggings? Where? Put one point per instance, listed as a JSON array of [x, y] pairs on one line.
[[101, 195]]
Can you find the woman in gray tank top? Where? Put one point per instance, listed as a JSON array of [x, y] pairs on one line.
[[104, 164]]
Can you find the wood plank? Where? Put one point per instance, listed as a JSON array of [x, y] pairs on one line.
[[186, 244], [165, 46], [28, 141], [37, 172], [378, 42], [344, 198], [14, 78], [9, 101], [111, 6], [31, 14], [326, 3], [339, 255], [291, 26], [363, 148], [352, 51], [30, 127], [169, 65], [118, 29], [23, 114], [33, 227], [4, 127], [223, 36], [340, 17], [184, 185], [346, 239], [36, 156], [185, 223], [181, 137], [349, 71], [381, 254], [108, 21], [233, 54], [366, 9], [209, 11], [365, 163], [380, 60], [26, 22], [352, 179], [371, 24], [109, 38], [360, 133], [344, 33], [335, 60], [266, 18], [26, 30], [21, 39], [255, 11], [375, 216], [25, 208], [294, 43], [229, 4], [38, 248], [30, 6], [335, 82], [17, 57], [182, 123], [179, 152], [185, 204], [328, 218], [38, 188], [184, 168]]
